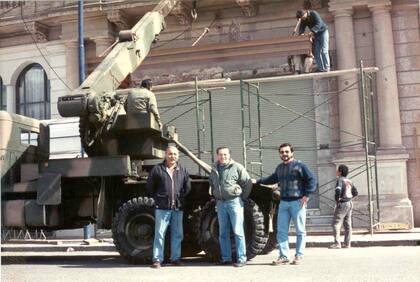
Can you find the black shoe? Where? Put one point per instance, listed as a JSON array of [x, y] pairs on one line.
[[239, 264], [156, 264], [224, 263], [177, 263]]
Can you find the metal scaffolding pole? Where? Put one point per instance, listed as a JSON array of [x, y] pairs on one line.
[[367, 125], [197, 115]]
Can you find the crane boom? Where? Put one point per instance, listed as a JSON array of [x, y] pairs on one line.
[[132, 48]]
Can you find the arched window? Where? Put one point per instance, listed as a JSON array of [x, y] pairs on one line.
[[33, 93], [3, 100]]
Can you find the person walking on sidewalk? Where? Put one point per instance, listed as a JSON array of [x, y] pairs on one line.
[[168, 184], [297, 183], [345, 191], [230, 185]]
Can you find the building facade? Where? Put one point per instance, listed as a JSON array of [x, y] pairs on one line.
[[246, 39]]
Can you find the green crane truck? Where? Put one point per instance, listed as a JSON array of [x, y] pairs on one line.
[[108, 187]]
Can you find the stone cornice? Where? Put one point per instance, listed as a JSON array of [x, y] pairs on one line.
[[118, 18], [281, 46], [336, 5], [39, 31], [379, 9], [249, 7], [347, 12], [182, 12]]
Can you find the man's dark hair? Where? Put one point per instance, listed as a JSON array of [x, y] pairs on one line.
[[343, 169], [286, 145], [220, 148], [147, 83], [299, 14]]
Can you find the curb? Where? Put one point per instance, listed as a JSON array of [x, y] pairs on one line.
[[109, 247]]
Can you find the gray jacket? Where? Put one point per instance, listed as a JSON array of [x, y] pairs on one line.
[[142, 100], [234, 182]]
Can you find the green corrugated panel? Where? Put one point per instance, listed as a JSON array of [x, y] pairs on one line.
[[227, 122]]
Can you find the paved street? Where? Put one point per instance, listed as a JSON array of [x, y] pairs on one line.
[[320, 264]]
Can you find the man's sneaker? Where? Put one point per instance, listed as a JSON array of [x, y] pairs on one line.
[[239, 264], [224, 263], [177, 263], [335, 246], [281, 261], [346, 246], [156, 264], [297, 260]]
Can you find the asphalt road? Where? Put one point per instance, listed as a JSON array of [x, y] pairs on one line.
[[356, 264]]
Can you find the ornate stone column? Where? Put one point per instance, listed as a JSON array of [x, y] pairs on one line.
[[349, 105], [11, 98], [392, 158], [388, 105], [72, 68]]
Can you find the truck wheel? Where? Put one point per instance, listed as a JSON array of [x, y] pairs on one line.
[[271, 244], [272, 238], [190, 245], [208, 231], [84, 131], [133, 230]]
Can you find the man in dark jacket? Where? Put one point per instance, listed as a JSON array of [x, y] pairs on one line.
[[296, 184], [168, 184], [319, 31], [345, 191]]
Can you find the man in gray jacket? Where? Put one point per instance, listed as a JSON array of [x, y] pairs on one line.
[[230, 185], [143, 100]]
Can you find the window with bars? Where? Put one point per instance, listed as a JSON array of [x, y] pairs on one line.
[[33, 93]]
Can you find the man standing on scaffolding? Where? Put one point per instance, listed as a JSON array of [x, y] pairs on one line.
[[319, 32]]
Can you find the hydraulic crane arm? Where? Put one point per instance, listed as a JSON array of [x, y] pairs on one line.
[[132, 48]]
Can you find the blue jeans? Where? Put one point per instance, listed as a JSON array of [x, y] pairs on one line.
[[231, 213], [163, 218], [321, 51], [287, 211]]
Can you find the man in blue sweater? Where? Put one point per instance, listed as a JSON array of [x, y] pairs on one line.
[[296, 183], [169, 184], [319, 32]]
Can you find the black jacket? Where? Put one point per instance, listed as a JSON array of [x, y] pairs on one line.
[[168, 196]]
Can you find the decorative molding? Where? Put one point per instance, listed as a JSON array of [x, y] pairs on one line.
[[182, 12], [316, 4], [234, 31], [249, 7], [119, 18], [346, 12], [280, 46], [39, 30]]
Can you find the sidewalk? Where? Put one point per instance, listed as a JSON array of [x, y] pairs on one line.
[[105, 246]]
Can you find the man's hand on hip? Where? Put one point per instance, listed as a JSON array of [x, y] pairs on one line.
[[303, 201]]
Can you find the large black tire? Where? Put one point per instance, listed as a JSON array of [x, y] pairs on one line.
[[190, 244], [133, 230], [208, 231], [84, 131], [272, 243]]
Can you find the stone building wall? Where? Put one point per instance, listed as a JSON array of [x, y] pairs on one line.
[[230, 24]]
